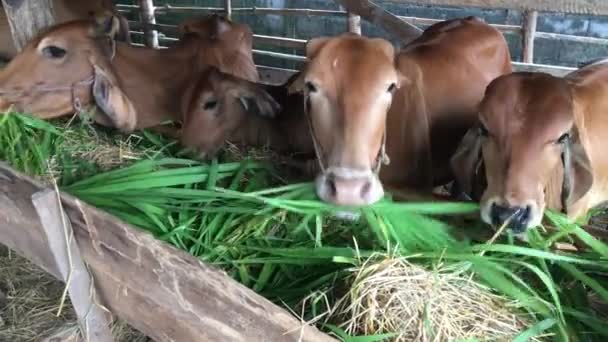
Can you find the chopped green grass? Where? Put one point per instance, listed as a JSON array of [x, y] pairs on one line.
[[279, 240]]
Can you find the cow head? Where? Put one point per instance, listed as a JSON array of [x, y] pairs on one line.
[[212, 26], [348, 87], [228, 45], [67, 66], [528, 142], [219, 104]]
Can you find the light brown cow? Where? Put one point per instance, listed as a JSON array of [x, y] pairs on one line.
[[213, 117], [64, 11], [421, 101], [76, 63], [540, 143], [234, 40]]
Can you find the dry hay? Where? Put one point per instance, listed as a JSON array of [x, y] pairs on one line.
[[29, 302], [392, 295], [107, 150]]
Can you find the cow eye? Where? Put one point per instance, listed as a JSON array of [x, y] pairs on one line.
[[53, 51], [310, 87], [392, 87], [564, 138], [483, 131], [210, 105]]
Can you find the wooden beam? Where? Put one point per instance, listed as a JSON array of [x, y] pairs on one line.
[[26, 18], [530, 19], [384, 19], [94, 321], [591, 7], [163, 292], [147, 18], [428, 22], [167, 9]]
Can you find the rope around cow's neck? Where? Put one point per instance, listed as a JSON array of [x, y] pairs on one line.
[[381, 158]]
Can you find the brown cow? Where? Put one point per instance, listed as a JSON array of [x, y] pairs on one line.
[[421, 102], [64, 10], [234, 40], [213, 117], [76, 63], [540, 139]]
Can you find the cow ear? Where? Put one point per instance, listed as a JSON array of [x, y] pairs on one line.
[[295, 84], [111, 99], [123, 34], [251, 95], [105, 24], [386, 47], [221, 25], [466, 160], [315, 45], [578, 174]]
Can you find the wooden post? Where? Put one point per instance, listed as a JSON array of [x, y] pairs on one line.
[[528, 35], [147, 18], [375, 14], [354, 23], [94, 325], [26, 18], [228, 8]]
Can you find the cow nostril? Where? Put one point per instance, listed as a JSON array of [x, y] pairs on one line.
[[366, 188], [331, 185], [517, 218], [495, 214], [526, 213]]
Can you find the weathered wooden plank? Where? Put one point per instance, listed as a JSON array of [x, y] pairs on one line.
[[159, 290], [26, 18], [593, 7], [93, 320], [384, 19], [427, 22]]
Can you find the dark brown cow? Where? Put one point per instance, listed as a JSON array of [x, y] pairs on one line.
[[421, 101], [213, 117], [539, 141], [64, 10], [76, 63], [234, 40]]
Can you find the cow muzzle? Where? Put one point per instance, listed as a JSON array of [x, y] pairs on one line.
[[517, 217], [349, 187]]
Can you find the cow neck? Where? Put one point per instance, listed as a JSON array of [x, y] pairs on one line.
[[292, 121], [156, 78]]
